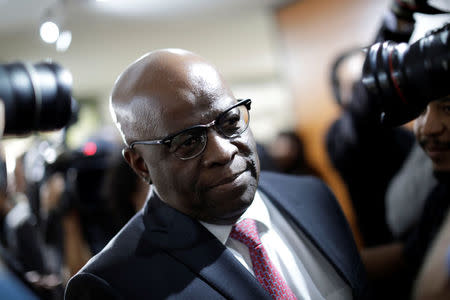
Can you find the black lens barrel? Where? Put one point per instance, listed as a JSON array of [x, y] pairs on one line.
[[405, 78], [36, 97]]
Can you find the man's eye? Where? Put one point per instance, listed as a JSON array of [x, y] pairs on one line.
[[186, 142], [193, 140], [231, 121], [446, 109]]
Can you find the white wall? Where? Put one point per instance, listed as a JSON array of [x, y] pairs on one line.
[[243, 46]]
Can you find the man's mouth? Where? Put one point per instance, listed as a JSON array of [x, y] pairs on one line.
[[435, 151], [226, 180]]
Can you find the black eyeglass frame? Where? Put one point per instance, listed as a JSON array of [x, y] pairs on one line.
[[167, 141]]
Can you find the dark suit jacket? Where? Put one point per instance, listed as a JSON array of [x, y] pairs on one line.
[[162, 253]]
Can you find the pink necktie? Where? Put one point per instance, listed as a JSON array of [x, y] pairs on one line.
[[268, 276]]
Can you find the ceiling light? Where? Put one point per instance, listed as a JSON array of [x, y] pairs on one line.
[[49, 32], [53, 30], [64, 40]]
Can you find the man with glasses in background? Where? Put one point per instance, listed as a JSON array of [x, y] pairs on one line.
[[213, 228]]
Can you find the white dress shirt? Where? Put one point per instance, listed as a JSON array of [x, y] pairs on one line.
[[306, 271]]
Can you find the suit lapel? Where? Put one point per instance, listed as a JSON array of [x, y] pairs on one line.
[[217, 266], [193, 245], [316, 213]]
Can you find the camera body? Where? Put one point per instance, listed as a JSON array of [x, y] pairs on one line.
[[84, 169], [32, 98], [35, 97], [404, 78]]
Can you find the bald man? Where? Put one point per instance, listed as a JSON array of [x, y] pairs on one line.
[[213, 228]]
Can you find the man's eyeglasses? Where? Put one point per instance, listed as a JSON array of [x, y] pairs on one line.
[[191, 142]]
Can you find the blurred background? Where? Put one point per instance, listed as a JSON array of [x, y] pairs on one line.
[[279, 53]]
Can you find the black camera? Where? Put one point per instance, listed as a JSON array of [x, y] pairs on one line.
[[404, 78], [36, 97]]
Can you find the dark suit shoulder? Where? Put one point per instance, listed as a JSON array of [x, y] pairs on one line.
[[268, 177], [142, 261], [307, 200], [120, 268], [120, 248], [98, 277], [87, 286], [300, 187]]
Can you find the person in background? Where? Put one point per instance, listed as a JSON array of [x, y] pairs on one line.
[[214, 227], [367, 156], [124, 190], [368, 152], [433, 281], [21, 243], [288, 154], [266, 161], [75, 213], [403, 258], [407, 191]]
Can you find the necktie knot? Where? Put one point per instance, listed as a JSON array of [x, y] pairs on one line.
[[246, 232], [265, 272]]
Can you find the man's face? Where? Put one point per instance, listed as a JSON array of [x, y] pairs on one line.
[[218, 185], [432, 129]]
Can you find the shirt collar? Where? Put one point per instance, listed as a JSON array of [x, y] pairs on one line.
[[257, 211]]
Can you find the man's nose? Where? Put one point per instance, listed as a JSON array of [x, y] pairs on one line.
[[219, 150], [431, 123]]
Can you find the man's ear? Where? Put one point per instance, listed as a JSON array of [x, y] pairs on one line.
[[137, 163]]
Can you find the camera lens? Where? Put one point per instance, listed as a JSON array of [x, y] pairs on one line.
[[36, 97], [405, 78]]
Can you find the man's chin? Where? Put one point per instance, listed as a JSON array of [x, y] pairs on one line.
[[228, 208], [228, 219], [230, 214], [441, 166], [225, 203]]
